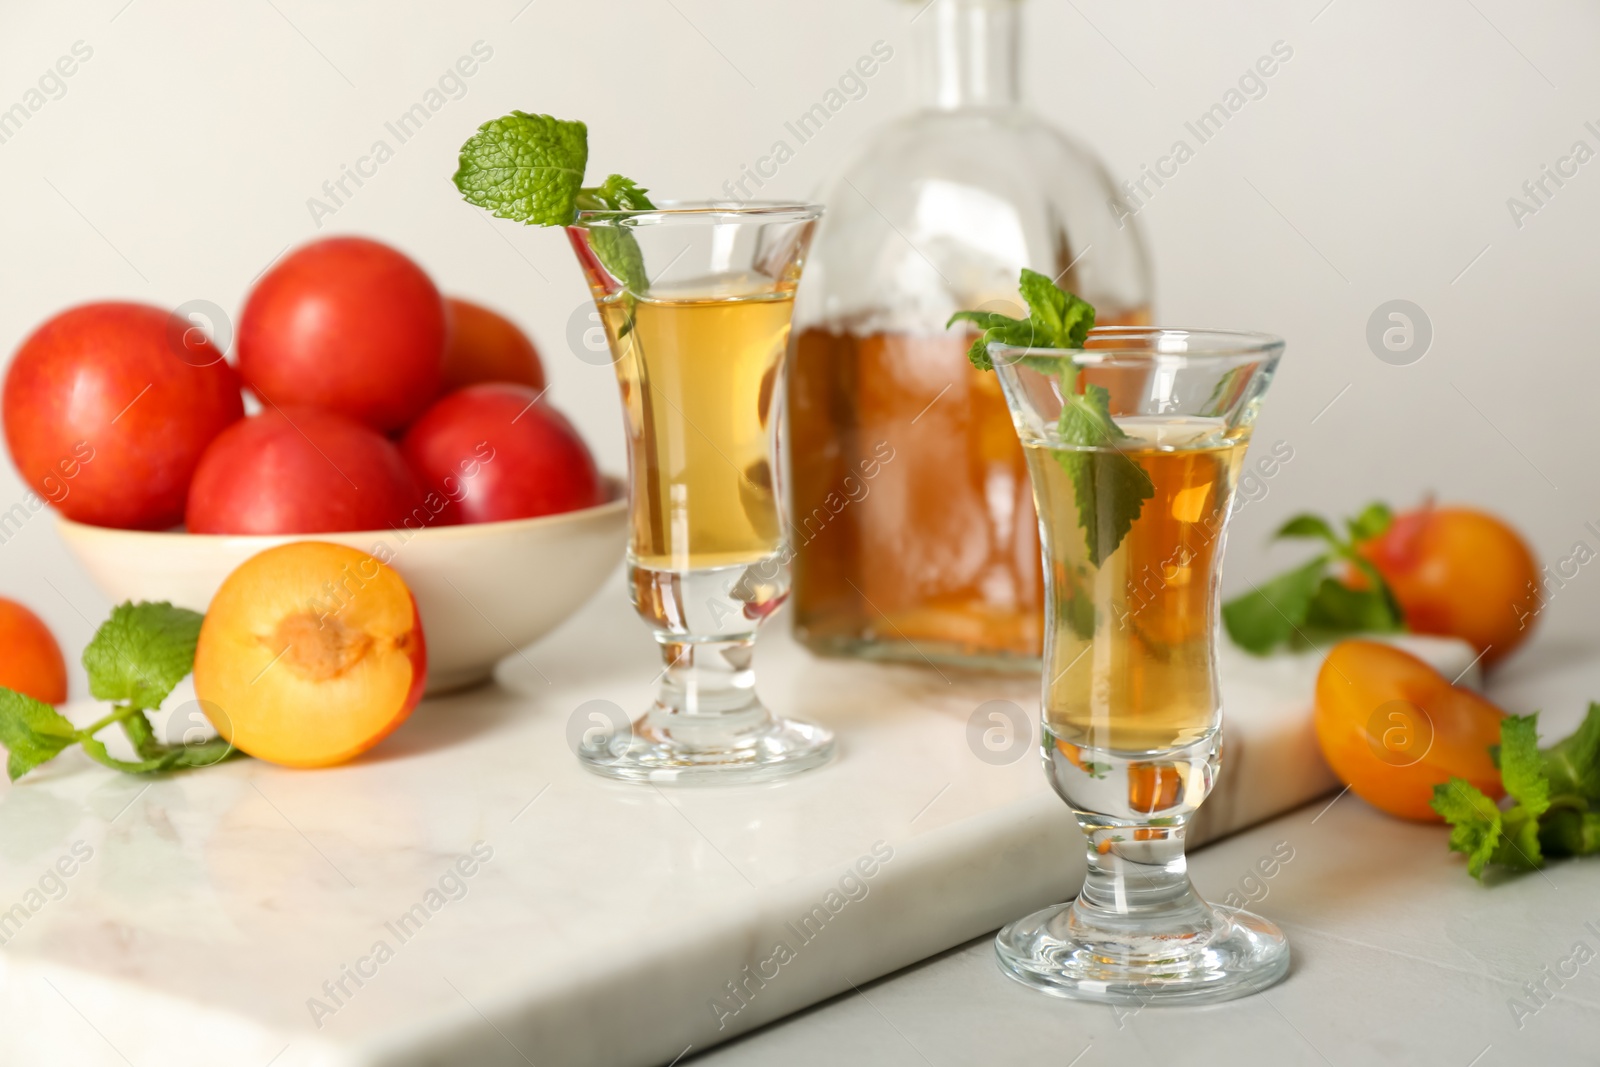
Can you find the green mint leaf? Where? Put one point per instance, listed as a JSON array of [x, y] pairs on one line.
[[1566, 832], [1521, 765], [619, 253], [141, 736], [141, 652], [1333, 608], [1268, 615], [205, 753], [616, 193], [1474, 822], [1338, 609], [1059, 318], [1076, 609], [616, 247], [1109, 485], [1380, 587], [996, 328], [1086, 419], [1312, 527], [1519, 841], [1056, 319], [985, 320], [96, 751], [1572, 765], [524, 167], [32, 731], [155, 756], [1589, 834], [1372, 522]]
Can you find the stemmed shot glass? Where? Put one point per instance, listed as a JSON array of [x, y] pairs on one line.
[[1133, 524], [696, 300]]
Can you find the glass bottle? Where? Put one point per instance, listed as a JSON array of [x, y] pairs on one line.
[[911, 513]]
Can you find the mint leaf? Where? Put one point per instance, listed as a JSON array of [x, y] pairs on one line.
[[96, 751], [141, 652], [1109, 486], [616, 247], [1572, 766], [1519, 841], [1056, 319], [619, 253], [1332, 607], [141, 736], [205, 753], [1374, 519], [1474, 822], [997, 328], [1268, 615], [1307, 526], [1521, 765], [1378, 587], [1338, 609], [1060, 318], [528, 168], [32, 731], [1552, 790], [1076, 609], [1086, 419], [1565, 832], [616, 193]]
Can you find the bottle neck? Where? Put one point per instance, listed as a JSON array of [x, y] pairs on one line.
[[967, 53]]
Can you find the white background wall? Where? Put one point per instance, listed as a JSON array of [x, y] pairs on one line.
[[179, 161]]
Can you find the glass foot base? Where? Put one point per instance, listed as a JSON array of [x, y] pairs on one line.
[[762, 751], [1233, 954]]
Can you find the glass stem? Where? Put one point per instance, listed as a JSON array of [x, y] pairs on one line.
[[1134, 869], [708, 679]]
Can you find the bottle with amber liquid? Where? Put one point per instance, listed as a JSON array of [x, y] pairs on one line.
[[910, 508]]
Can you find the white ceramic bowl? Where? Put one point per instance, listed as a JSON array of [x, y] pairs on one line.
[[483, 590]]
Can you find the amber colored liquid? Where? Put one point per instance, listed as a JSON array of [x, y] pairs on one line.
[[934, 551], [1129, 668], [698, 380]]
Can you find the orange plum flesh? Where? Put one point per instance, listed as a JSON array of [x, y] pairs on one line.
[[1392, 728], [311, 653]]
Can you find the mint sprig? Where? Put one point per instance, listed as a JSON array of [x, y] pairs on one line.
[[1056, 319], [134, 660], [1554, 796], [529, 168], [1108, 485], [1309, 602], [1110, 488]]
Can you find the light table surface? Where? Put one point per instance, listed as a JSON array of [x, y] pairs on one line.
[[467, 894], [1398, 956]]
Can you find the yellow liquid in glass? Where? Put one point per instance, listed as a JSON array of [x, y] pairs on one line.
[[1129, 665], [698, 378]]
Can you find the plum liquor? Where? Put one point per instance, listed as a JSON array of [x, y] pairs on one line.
[[1130, 652], [698, 377], [696, 300]]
